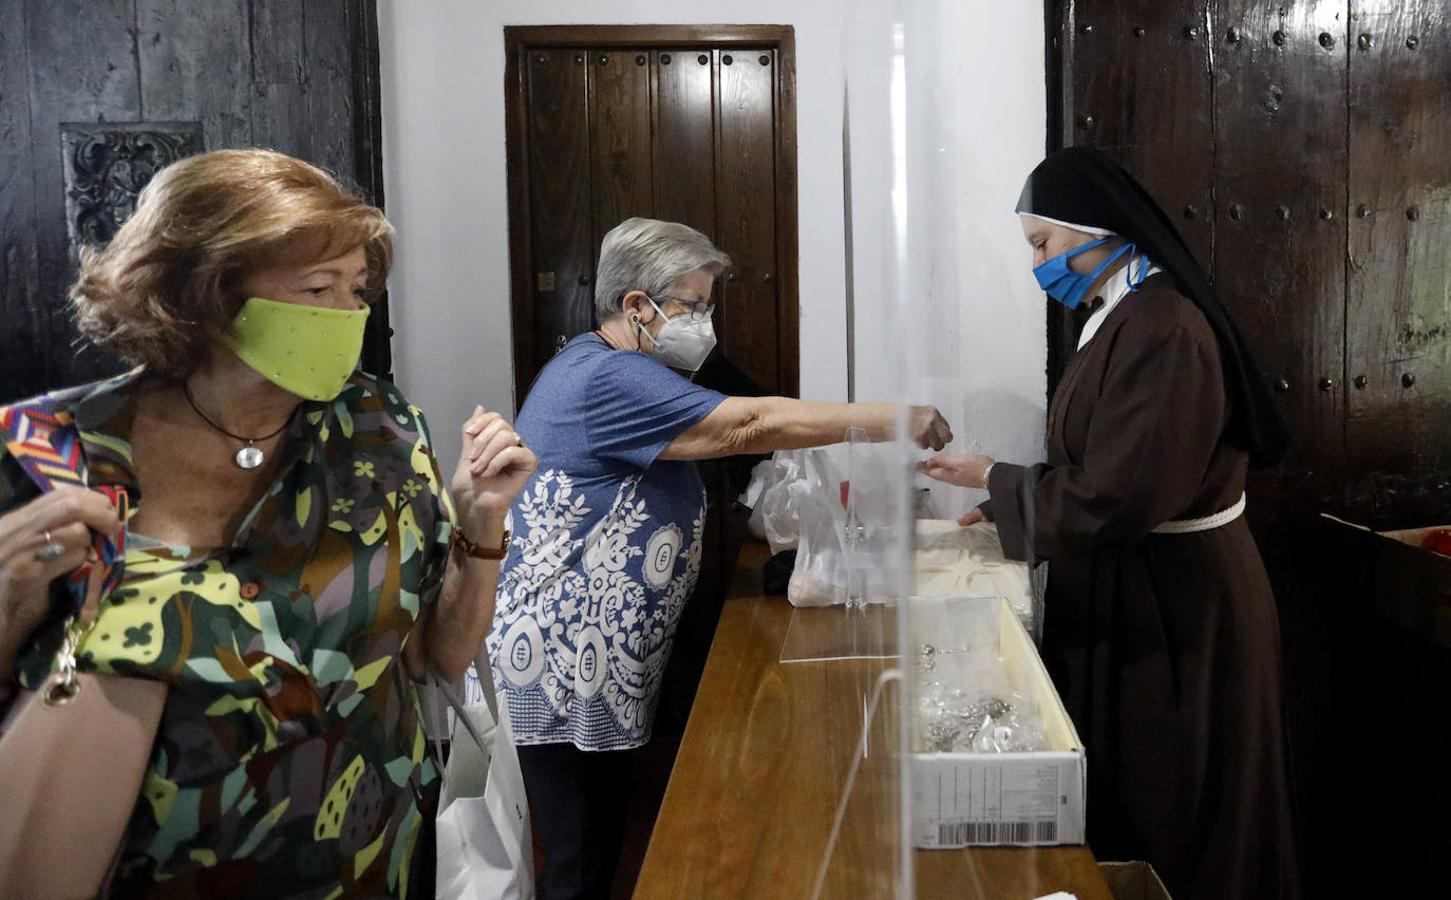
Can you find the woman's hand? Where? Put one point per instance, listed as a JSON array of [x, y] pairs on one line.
[[963, 471], [928, 428], [492, 468], [39, 542]]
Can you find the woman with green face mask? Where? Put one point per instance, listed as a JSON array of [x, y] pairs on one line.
[[291, 559]]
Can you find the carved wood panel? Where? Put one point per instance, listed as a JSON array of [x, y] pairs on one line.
[[107, 165]]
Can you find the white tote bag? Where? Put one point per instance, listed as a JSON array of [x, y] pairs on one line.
[[484, 847]]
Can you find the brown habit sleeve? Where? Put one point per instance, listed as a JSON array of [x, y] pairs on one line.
[[1154, 427]]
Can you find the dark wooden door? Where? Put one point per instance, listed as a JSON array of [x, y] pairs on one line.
[[1279, 169], [690, 125], [1398, 284], [563, 247], [95, 94]]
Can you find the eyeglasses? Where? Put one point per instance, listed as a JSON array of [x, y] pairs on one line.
[[698, 309]]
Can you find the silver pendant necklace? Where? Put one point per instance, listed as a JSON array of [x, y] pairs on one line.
[[249, 457]]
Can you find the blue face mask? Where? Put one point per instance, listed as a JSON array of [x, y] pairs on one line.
[[1066, 286]]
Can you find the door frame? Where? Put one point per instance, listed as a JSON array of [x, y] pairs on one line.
[[368, 163], [519, 40]]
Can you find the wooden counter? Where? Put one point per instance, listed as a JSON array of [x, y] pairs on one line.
[[768, 750]]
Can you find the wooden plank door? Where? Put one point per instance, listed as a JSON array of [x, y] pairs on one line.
[[746, 220], [1398, 317], [1138, 68], [612, 122], [563, 243], [620, 151], [684, 137], [1135, 83], [1280, 230]]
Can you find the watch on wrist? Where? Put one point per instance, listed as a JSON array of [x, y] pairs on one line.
[[474, 551]]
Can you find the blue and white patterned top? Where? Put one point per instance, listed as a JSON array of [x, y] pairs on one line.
[[606, 548]]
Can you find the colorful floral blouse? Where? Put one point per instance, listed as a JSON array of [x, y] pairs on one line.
[[290, 760]]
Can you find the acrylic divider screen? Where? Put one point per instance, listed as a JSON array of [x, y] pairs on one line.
[[916, 625], [945, 312]]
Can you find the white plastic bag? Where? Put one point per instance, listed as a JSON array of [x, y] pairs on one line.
[[776, 495], [846, 526], [484, 846], [833, 505]]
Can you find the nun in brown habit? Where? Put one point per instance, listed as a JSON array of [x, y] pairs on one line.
[[1159, 626]]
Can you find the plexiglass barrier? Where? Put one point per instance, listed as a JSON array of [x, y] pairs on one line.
[[959, 740]]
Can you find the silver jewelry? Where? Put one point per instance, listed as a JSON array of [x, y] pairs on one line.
[[250, 456], [51, 552]]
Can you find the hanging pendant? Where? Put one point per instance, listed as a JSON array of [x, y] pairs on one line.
[[250, 457]]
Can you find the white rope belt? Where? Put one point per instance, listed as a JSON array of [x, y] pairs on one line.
[[1208, 523]]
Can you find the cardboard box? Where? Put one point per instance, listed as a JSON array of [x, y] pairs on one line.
[[990, 799], [1133, 881], [1403, 582]]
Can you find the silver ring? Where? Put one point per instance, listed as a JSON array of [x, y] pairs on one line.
[[50, 552]]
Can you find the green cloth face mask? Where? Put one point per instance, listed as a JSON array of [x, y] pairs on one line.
[[309, 351]]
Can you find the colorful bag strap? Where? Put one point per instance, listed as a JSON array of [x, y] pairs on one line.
[[47, 445]]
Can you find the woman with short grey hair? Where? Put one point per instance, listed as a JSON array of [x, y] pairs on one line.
[[607, 534]]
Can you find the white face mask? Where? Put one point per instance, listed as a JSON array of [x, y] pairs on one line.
[[683, 343]]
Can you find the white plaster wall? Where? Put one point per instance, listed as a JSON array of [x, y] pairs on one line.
[[444, 159]]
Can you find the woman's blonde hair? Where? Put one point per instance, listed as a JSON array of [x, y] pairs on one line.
[[167, 287]]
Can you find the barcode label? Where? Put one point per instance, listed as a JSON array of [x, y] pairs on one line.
[[952, 833]]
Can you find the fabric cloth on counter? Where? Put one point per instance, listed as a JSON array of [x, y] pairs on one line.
[[953, 561]]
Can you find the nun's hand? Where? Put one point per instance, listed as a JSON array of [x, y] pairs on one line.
[[972, 517], [928, 429], [963, 471]]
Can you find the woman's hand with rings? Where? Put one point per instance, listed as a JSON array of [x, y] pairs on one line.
[[43, 540], [493, 466]]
